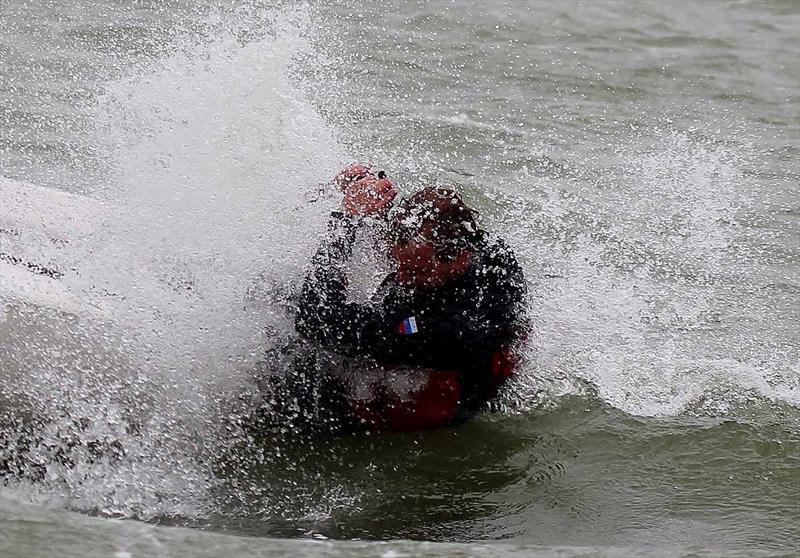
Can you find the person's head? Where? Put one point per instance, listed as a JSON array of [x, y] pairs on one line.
[[432, 233]]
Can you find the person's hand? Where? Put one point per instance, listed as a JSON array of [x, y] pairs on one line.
[[350, 174], [369, 196]]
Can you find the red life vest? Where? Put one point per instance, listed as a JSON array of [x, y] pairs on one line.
[[435, 405]]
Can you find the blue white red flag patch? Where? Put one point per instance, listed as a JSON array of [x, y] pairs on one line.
[[409, 326]]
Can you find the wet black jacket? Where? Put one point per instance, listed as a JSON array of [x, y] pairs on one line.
[[460, 325]]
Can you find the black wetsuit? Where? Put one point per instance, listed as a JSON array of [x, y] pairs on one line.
[[460, 326]]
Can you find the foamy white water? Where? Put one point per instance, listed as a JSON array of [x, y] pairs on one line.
[[641, 160]]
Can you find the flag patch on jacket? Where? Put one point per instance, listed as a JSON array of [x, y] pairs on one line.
[[409, 326]]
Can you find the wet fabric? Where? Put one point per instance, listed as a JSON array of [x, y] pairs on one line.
[[460, 331]]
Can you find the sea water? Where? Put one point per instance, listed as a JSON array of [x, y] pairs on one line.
[[169, 159]]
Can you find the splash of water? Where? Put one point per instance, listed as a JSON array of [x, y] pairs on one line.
[[183, 282], [641, 291], [205, 230]]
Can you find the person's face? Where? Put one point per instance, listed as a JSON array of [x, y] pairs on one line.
[[416, 262], [419, 264]]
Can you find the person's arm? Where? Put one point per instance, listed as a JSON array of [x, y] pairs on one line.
[[323, 313]]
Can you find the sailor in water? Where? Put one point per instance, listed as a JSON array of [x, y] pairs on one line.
[[450, 311]]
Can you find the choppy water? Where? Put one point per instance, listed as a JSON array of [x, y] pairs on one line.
[[641, 158]]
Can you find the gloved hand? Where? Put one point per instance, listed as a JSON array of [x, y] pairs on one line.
[[369, 196], [351, 174]]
